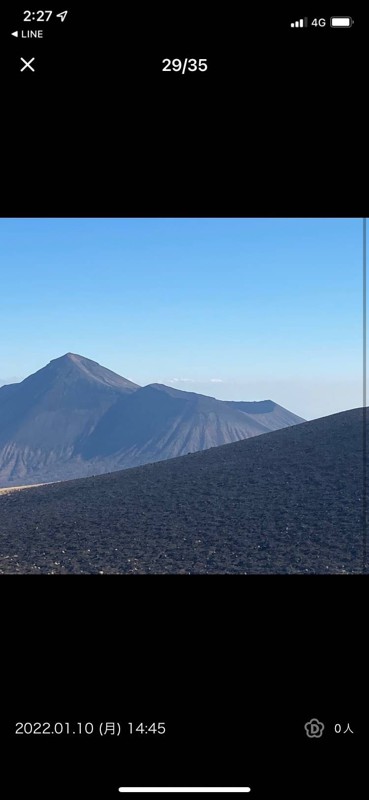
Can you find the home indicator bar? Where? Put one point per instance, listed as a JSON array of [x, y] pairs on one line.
[[223, 789]]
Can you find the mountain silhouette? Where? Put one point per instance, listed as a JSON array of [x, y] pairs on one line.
[[74, 418]]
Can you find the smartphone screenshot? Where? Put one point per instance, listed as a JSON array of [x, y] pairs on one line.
[[183, 405]]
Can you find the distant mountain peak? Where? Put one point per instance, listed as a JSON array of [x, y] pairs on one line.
[[73, 363], [75, 357]]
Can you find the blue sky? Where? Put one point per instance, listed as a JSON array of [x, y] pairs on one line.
[[242, 309]]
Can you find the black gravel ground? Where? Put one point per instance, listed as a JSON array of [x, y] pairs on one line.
[[290, 501]]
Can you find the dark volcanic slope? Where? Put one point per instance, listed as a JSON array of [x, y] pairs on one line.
[[289, 501]]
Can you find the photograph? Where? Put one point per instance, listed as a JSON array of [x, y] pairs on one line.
[[181, 396]]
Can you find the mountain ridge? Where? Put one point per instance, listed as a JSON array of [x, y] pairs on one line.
[[73, 418]]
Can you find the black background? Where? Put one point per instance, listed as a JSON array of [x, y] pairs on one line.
[[275, 126], [234, 665], [234, 668]]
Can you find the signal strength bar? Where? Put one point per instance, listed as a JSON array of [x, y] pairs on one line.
[[300, 23]]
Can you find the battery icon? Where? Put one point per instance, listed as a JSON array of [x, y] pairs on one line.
[[341, 22]]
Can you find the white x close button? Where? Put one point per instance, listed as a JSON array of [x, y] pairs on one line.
[[27, 64]]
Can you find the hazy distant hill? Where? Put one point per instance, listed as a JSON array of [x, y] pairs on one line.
[[290, 501], [75, 418], [158, 422], [270, 415]]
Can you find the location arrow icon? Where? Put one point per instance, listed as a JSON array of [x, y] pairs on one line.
[[15, 33]]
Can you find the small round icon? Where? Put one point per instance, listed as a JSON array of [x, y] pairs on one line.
[[314, 729]]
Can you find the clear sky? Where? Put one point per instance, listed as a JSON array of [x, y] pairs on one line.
[[240, 309]]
